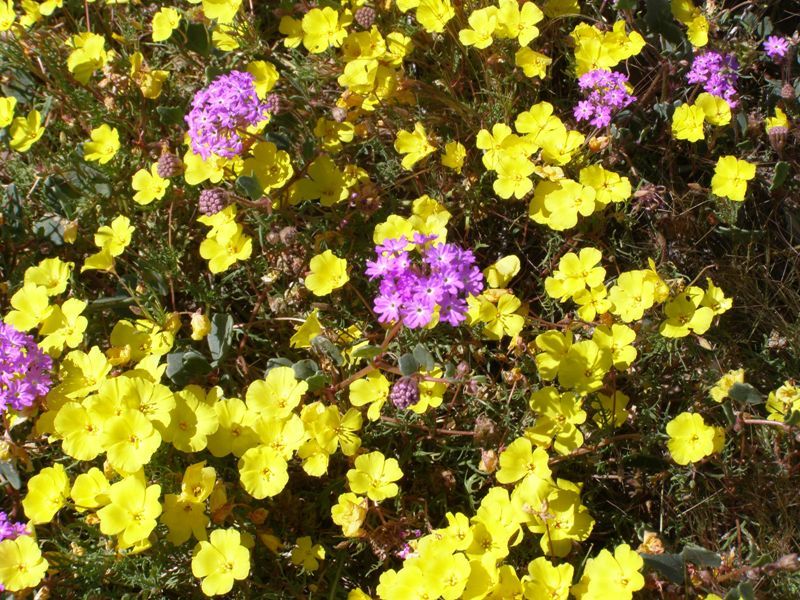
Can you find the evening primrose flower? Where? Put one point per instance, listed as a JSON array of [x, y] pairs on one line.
[[374, 475], [687, 123], [103, 146], [307, 554], [7, 105], [414, 145], [149, 185], [220, 561], [532, 63], [48, 491], [690, 439], [21, 563], [132, 511], [165, 21], [454, 155], [731, 176], [26, 131], [724, 384], [327, 273]]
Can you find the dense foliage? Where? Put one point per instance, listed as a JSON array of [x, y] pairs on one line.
[[399, 299]]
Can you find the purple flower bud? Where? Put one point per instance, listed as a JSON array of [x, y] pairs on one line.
[[405, 392]]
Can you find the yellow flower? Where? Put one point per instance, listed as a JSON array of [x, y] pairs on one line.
[[433, 15], [149, 81], [31, 306], [717, 111], [724, 384], [26, 131], [64, 326], [731, 176], [130, 440], [51, 273], [149, 185], [7, 105], [690, 439], [414, 145], [327, 273], [48, 491], [307, 554], [323, 28], [482, 23], [349, 513], [131, 512], [265, 74], [687, 123], [89, 54], [262, 470], [165, 21], [374, 475], [104, 145], [372, 390], [201, 326], [779, 120], [21, 562], [222, 10], [220, 561], [7, 14], [532, 63]]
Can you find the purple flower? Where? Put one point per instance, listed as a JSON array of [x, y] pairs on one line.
[[605, 94], [413, 284], [716, 73], [776, 47], [24, 370], [10, 530], [222, 111]]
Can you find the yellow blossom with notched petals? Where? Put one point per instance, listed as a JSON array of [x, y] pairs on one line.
[[21, 563], [731, 176], [327, 273], [149, 185], [414, 145], [220, 561]]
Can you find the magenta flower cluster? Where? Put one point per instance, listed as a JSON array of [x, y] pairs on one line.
[[10, 530], [717, 73], [24, 370], [415, 281], [223, 111], [605, 95], [776, 47]]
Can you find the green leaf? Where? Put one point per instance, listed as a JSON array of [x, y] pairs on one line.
[[424, 358], [782, 170], [697, 555], [327, 347], [220, 336], [369, 352], [316, 382], [184, 367], [408, 364], [669, 565], [744, 591], [277, 362], [744, 392], [659, 20], [793, 418], [197, 39], [249, 187], [170, 115], [303, 369], [10, 474], [11, 205]]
